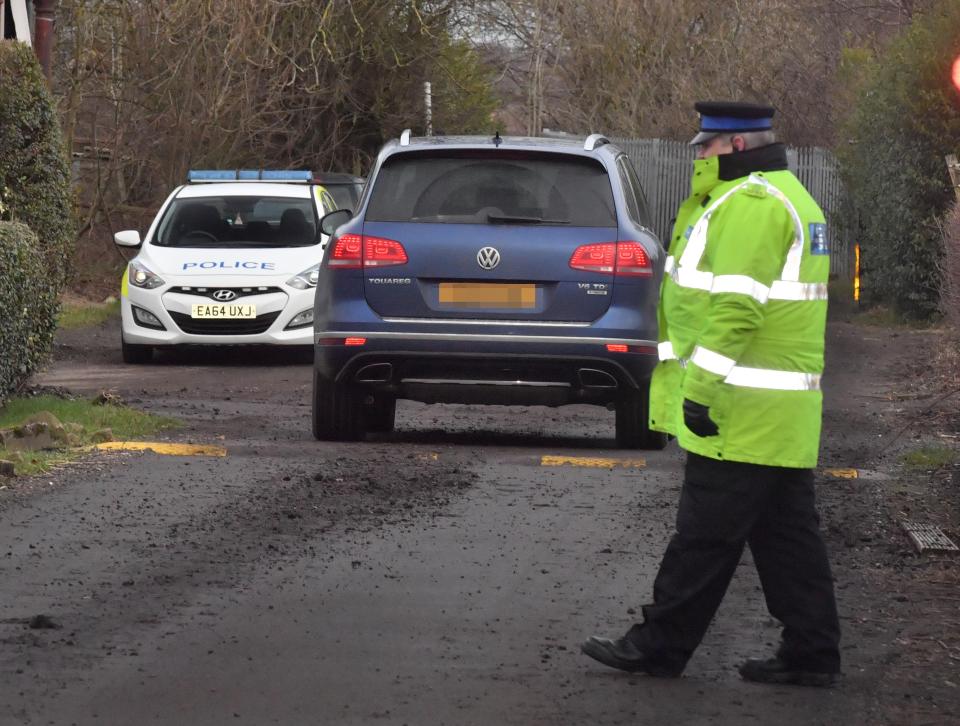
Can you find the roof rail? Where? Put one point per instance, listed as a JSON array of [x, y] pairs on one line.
[[595, 140], [405, 138]]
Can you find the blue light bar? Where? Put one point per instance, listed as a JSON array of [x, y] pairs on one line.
[[211, 175], [292, 175], [196, 175]]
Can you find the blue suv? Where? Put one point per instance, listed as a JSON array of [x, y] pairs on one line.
[[492, 270]]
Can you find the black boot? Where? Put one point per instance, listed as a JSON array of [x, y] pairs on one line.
[[775, 670], [623, 654]]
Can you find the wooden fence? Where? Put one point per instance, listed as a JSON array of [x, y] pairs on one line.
[[664, 168]]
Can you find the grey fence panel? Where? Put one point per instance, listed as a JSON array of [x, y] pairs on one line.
[[664, 168]]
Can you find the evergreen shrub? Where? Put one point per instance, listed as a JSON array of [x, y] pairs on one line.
[[35, 192]]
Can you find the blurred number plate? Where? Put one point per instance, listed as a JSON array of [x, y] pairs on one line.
[[223, 311], [488, 294]]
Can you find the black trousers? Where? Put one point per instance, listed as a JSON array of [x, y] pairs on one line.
[[724, 505]]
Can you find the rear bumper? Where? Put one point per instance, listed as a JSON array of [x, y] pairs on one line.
[[486, 368]]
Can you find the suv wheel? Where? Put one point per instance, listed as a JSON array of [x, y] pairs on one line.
[[337, 411], [633, 422], [135, 354], [380, 415]]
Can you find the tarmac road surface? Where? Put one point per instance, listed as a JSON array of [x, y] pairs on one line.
[[443, 574]]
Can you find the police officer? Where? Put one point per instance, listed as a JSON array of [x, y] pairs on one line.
[[742, 317]]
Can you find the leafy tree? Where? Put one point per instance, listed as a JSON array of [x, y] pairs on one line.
[[906, 119]]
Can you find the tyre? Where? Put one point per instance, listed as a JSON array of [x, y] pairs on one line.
[[380, 415], [633, 421], [136, 354], [337, 411]]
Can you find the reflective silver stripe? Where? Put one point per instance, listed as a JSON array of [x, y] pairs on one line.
[[693, 278], [686, 274], [791, 268], [712, 362], [741, 284], [774, 380], [697, 243], [665, 351], [783, 290], [670, 265]]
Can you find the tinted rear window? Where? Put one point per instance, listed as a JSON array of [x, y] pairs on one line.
[[469, 188]]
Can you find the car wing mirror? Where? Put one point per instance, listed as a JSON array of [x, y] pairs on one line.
[[127, 238], [330, 222]]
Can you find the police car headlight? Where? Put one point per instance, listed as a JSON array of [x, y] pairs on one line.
[[306, 279], [140, 276]]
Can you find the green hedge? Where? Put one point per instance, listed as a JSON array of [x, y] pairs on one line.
[[907, 117], [34, 191], [22, 342]]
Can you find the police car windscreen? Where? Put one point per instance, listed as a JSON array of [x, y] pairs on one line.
[[239, 222], [493, 187]]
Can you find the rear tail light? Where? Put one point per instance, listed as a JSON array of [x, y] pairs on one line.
[[594, 258], [619, 258], [632, 260], [353, 251], [347, 252]]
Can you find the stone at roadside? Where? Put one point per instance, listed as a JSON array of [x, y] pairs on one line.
[[34, 436], [102, 435], [7, 468]]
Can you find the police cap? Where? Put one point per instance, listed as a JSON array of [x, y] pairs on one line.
[[730, 117]]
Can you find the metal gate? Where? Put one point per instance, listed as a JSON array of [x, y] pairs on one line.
[[665, 167]]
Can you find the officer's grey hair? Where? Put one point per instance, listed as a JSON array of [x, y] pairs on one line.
[[755, 139]]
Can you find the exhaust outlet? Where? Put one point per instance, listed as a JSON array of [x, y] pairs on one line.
[[593, 378], [374, 373]]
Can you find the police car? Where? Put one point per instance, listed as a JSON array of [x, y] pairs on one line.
[[231, 258]]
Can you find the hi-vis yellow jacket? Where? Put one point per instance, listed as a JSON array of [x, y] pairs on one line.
[[742, 315]]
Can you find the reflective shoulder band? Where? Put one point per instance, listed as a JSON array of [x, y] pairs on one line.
[[665, 351], [741, 284], [783, 290], [712, 362], [774, 380]]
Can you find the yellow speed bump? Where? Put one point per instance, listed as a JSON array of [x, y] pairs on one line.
[[595, 462], [163, 448], [842, 473]]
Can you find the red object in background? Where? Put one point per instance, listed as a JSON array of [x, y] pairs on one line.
[[955, 75]]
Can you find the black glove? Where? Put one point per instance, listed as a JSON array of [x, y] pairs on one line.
[[696, 416]]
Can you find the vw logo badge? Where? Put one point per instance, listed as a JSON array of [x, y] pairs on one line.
[[224, 295], [488, 258]]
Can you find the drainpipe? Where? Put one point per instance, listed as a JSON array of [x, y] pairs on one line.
[[43, 33]]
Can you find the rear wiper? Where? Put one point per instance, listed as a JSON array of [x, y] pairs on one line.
[[502, 219]]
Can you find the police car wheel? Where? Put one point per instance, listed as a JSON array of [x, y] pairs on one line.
[[135, 354], [632, 421], [381, 414], [337, 411]]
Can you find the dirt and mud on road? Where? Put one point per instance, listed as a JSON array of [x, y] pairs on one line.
[[445, 573]]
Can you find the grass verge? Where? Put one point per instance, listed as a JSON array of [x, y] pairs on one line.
[[84, 314], [85, 418], [931, 457]]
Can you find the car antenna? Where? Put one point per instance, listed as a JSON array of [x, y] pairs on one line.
[[497, 140]]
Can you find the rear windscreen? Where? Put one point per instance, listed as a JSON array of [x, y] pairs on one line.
[[493, 187], [235, 221]]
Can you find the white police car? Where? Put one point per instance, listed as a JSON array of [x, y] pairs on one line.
[[230, 258]]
